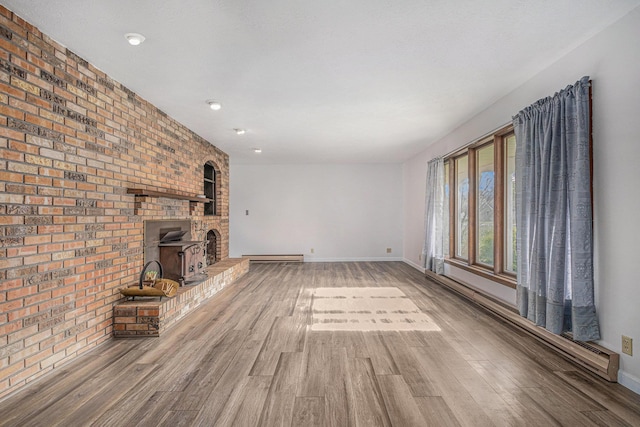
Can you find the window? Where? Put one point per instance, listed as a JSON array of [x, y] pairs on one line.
[[482, 207], [485, 191], [462, 207], [510, 255], [210, 189], [445, 226]]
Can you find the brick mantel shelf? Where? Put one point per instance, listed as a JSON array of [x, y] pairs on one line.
[[141, 193]]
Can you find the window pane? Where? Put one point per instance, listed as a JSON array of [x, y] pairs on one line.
[[485, 179], [510, 255], [462, 207], [445, 225], [210, 189]]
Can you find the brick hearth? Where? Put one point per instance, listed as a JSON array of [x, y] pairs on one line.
[[144, 318]]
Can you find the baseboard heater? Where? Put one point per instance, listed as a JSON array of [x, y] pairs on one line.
[[275, 258], [597, 359]]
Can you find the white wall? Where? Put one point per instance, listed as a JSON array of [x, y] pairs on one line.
[[344, 212], [612, 59]]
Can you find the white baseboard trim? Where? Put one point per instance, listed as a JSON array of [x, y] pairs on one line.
[[414, 265], [365, 259], [629, 381]]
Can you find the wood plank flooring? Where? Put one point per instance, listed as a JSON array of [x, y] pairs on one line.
[[248, 357]]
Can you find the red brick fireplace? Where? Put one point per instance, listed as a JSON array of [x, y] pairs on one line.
[[85, 162]]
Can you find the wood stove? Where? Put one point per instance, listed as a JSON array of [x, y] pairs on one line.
[[182, 260]]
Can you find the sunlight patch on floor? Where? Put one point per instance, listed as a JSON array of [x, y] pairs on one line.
[[367, 309]]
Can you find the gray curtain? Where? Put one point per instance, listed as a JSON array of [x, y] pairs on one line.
[[553, 213], [433, 251]]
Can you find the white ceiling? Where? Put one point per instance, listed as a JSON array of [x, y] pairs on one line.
[[322, 81]]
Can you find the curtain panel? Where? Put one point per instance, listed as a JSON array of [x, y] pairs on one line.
[[433, 251], [554, 215]]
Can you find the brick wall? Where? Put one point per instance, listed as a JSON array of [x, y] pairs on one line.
[[72, 141]]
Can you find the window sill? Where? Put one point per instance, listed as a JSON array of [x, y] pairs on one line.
[[502, 279]]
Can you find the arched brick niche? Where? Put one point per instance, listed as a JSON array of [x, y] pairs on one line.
[[214, 247]]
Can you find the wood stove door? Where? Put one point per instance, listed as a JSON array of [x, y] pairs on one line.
[[172, 262], [194, 259]]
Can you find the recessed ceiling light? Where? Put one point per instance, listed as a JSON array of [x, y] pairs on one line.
[[257, 150], [240, 131], [214, 105], [134, 39]]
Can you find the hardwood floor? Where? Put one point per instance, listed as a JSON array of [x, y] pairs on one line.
[[248, 357]]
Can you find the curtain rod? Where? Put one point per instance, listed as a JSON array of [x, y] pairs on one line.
[[462, 147]]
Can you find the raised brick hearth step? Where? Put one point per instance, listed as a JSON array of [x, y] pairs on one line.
[[149, 318]]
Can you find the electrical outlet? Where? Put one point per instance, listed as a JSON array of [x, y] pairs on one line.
[[627, 345], [388, 250], [419, 257], [312, 250]]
